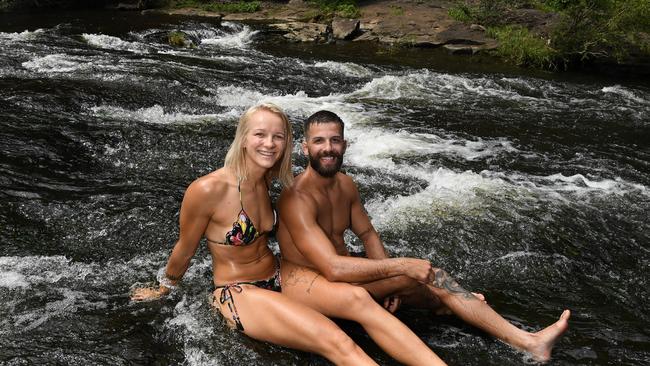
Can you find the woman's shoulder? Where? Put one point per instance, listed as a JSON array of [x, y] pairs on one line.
[[217, 183]]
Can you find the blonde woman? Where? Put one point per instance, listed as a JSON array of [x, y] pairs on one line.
[[232, 209]]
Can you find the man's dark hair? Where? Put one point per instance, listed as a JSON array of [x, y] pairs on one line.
[[322, 117]]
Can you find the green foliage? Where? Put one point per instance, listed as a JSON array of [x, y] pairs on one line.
[[342, 8], [218, 6], [518, 45], [396, 10], [587, 29], [460, 12], [603, 28], [557, 5]]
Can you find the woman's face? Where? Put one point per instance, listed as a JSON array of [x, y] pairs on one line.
[[266, 139]]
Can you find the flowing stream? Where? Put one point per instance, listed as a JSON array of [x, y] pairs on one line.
[[529, 188]]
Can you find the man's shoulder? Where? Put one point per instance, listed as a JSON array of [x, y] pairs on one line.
[[346, 182], [297, 192]]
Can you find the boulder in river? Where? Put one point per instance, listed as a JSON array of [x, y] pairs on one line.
[[304, 32], [343, 28]]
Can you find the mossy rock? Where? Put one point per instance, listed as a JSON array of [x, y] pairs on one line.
[[181, 39]]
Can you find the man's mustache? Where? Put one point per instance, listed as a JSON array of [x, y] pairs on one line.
[[329, 154]]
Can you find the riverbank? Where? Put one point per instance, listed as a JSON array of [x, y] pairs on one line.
[[539, 34], [402, 23], [535, 35]]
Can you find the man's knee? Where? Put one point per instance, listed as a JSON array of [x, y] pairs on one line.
[[358, 298]]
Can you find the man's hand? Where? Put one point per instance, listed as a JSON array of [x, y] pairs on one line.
[[392, 303], [420, 270]]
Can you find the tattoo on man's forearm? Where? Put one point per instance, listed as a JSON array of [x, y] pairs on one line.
[[444, 281]]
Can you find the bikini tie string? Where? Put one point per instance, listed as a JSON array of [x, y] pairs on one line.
[[226, 295]]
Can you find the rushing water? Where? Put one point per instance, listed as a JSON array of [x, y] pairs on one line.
[[529, 189]]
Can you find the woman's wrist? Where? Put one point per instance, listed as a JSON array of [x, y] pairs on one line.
[[167, 285]]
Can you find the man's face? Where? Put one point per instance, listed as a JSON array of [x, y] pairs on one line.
[[325, 146]]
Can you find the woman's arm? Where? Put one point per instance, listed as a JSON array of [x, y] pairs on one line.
[[196, 210]]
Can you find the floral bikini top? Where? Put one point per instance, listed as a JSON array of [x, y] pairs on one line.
[[243, 231]]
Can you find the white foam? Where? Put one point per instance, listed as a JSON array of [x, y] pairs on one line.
[[446, 89], [57, 63], [114, 43], [156, 114], [12, 280], [345, 68], [446, 191], [242, 37], [578, 183], [625, 93], [376, 146], [22, 36], [523, 254]]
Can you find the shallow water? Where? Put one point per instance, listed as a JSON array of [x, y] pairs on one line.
[[530, 188]]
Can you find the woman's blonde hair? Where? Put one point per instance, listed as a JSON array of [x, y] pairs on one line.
[[236, 158]]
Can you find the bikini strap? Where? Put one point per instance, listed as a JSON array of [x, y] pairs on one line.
[[226, 295], [241, 202]]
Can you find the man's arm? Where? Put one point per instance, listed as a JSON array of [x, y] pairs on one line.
[[361, 225], [316, 247]]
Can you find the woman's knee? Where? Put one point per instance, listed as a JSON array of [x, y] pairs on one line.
[[338, 344]]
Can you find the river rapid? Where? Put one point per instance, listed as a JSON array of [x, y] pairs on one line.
[[532, 189]]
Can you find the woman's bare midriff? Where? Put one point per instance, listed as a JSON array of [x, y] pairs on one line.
[[241, 263]]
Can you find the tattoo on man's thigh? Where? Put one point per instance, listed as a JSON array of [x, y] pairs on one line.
[[297, 277], [312, 283], [444, 281]]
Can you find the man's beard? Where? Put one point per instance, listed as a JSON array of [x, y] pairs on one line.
[[328, 172]]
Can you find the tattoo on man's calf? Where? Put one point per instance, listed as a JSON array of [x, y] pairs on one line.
[[444, 281]]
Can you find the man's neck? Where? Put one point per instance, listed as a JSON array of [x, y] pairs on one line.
[[318, 181]]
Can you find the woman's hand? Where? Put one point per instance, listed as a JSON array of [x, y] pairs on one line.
[[148, 293]]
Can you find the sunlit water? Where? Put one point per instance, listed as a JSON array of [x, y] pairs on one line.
[[531, 190]]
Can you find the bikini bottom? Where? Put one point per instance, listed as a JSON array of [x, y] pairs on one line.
[[273, 283]]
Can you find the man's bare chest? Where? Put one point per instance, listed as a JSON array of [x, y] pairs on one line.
[[333, 215]]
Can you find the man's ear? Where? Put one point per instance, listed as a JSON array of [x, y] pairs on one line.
[[305, 151], [345, 146]]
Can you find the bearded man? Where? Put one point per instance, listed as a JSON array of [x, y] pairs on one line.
[[318, 271]]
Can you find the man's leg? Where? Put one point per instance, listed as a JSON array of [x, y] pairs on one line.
[[345, 301], [446, 291]]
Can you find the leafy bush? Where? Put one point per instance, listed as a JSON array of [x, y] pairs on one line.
[[460, 12], [343, 8], [603, 28], [587, 29], [518, 45], [218, 6]]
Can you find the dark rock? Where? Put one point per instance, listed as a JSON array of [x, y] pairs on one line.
[[174, 38], [343, 28], [130, 5], [477, 27], [303, 32]]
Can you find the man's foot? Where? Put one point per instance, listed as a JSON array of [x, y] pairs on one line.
[[442, 309], [545, 339]]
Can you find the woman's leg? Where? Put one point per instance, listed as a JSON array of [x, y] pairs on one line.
[[345, 301], [287, 323]]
